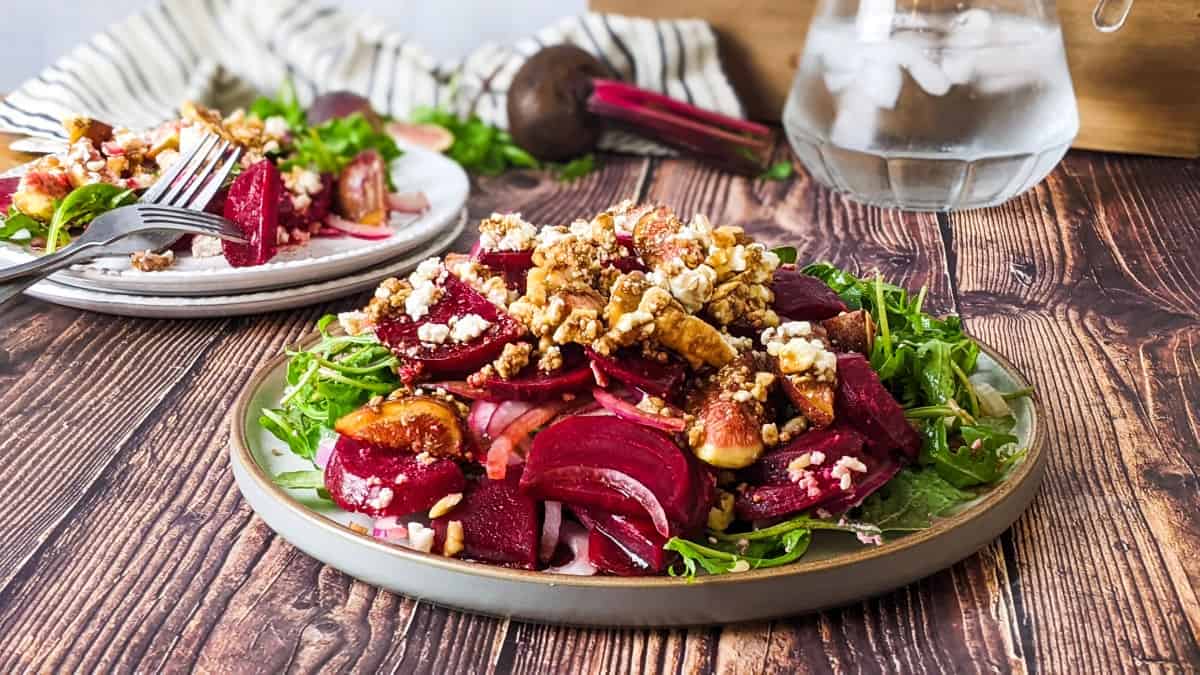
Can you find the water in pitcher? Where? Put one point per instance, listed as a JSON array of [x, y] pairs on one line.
[[932, 112]]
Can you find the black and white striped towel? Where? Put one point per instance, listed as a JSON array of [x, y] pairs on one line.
[[225, 52]]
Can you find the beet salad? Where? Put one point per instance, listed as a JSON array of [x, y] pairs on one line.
[[640, 394]]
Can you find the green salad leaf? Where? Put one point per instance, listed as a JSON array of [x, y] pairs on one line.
[[329, 147], [285, 105], [576, 168], [19, 227], [786, 254], [326, 381], [478, 146], [81, 206], [911, 500], [778, 171], [301, 479]]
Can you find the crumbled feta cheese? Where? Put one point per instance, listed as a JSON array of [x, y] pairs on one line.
[[443, 505], [204, 246], [844, 471], [797, 352], [468, 327], [693, 287], [433, 333], [275, 126], [417, 304], [429, 271], [420, 537], [740, 566], [506, 232], [381, 499]]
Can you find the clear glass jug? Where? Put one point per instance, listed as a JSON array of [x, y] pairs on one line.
[[935, 104]]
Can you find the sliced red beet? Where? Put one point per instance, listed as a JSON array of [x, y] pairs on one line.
[[600, 462], [629, 264], [866, 404], [833, 442], [253, 203], [800, 297], [879, 472], [630, 546], [8, 186], [317, 209], [822, 489], [512, 265], [532, 384], [399, 333], [500, 525], [658, 379], [358, 474], [704, 477]]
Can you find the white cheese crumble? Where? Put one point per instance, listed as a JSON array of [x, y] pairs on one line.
[[798, 353], [354, 323], [844, 471], [468, 327], [275, 126], [420, 537], [381, 499], [433, 333], [429, 271], [506, 232], [417, 304], [693, 287], [204, 246]]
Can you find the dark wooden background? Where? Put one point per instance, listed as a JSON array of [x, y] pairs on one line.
[[124, 544]]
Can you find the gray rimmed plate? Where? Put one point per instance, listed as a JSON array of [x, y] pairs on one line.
[[837, 569]]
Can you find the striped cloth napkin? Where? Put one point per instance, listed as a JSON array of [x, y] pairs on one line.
[[225, 52]]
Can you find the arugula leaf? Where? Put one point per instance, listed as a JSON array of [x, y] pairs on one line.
[[786, 254], [81, 206], [301, 479], [18, 223], [285, 105], [480, 147], [328, 148], [777, 171], [574, 169], [325, 382], [911, 500]]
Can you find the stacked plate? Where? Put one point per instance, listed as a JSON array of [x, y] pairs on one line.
[[324, 269]]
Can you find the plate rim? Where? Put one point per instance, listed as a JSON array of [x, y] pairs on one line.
[[1030, 467]]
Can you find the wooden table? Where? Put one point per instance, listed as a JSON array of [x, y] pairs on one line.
[[126, 545]]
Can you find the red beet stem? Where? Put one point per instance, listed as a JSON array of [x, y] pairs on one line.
[[642, 97]]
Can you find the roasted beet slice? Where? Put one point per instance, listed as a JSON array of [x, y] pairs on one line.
[[399, 333], [879, 472], [614, 465], [623, 545], [500, 525], [512, 265], [253, 203], [659, 379], [629, 263], [362, 189], [8, 186], [800, 297], [832, 442], [369, 479], [819, 488], [535, 385], [318, 207], [866, 404]]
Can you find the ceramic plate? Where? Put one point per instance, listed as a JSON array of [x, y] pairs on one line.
[[166, 307], [443, 182], [837, 569]]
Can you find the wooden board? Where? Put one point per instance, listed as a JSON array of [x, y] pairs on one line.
[[1138, 89], [128, 548]]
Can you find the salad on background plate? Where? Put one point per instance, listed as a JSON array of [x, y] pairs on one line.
[[637, 394], [302, 175]]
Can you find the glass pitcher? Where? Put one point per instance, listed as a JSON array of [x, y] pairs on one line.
[[935, 105]]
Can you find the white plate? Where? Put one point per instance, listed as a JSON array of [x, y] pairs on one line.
[[836, 570], [442, 180], [166, 307]]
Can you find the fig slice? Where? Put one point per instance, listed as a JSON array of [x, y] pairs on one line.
[[868, 406], [832, 442], [664, 380], [800, 297], [500, 525], [627, 547], [599, 462], [399, 333], [253, 203], [366, 478], [412, 424], [362, 189], [812, 398]]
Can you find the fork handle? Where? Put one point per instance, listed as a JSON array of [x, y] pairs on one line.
[[52, 262], [10, 291]]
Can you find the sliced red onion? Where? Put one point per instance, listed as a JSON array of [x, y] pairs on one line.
[[551, 527], [617, 480], [324, 452], [478, 418], [628, 411], [507, 413], [326, 231], [408, 202], [598, 375], [390, 529], [576, 538], [359, 230], [499, 455]]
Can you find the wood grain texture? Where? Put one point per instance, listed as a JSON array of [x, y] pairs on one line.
[[128, 548]]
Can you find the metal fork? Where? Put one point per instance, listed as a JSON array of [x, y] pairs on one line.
[[169, 209]]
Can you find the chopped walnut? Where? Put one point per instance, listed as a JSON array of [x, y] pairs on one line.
[[151, 261], [550, 359], [454, 539], [506, 232], [514, 357]]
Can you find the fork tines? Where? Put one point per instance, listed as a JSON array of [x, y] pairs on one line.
[[194, 178]]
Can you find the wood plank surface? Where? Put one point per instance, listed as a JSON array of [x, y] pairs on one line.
[[129, 549]]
